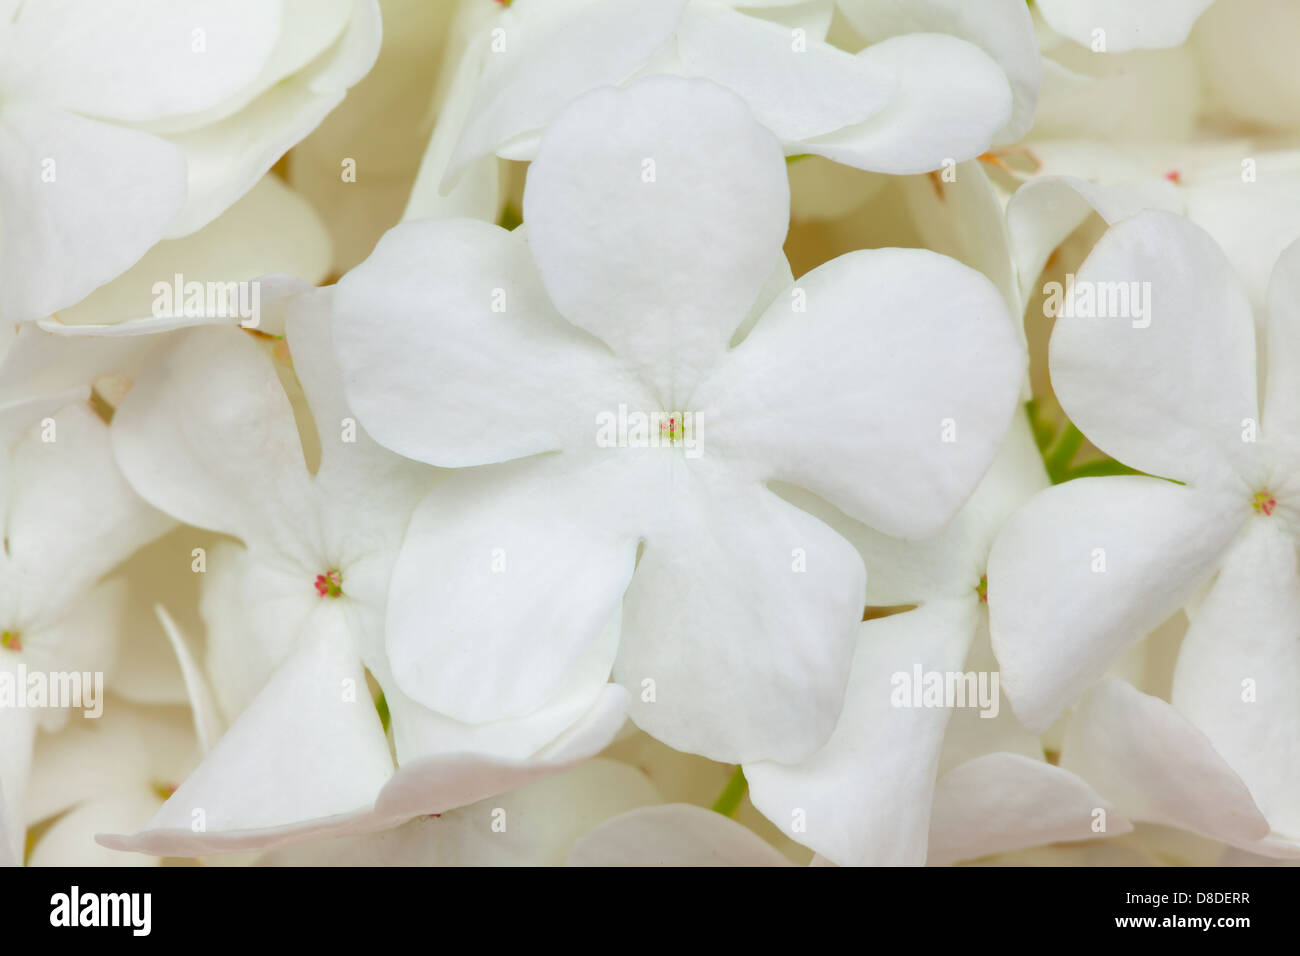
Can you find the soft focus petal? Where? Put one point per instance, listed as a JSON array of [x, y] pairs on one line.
[[676, 834]]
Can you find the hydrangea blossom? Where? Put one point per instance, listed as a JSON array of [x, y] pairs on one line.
[[655, 216], [1097, 563], [294, 617]]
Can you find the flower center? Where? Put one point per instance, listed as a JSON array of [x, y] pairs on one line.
[[164, 790], [1175, 177], [1264, 502], [11, 641], [982, 589], [330, 584], [671, 430]]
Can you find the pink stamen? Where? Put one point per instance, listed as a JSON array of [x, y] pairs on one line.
[[1175, 177], [329, 584], [11, 641]]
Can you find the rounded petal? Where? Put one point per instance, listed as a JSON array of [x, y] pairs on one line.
[[655, 215], [1156, 766], [82, 201], [950, 101], [740, 623], [1003, 802], [139, 61], [1085, 569], [884, 381], [452, 354], [864, 798], [796, 91], [208, 435], [1164, 377], [1124, 24], [507, 578], [547, 53], [1237, 667], [1004, 29], [676, 834]]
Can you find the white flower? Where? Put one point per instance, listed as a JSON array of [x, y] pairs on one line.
[[69, 519], [935, 86], [295, 615], [655, 216], [903, 785], [1088, 567], [126, 121]]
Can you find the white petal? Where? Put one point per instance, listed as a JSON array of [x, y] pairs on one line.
[[225, 159], [849, 384], [655, 215], [436, 783], [71, 516], [676, 834], [19, 731], [1156, 766], [796, 92], [113, 192], [1003, 802], [1237, 668], [542, 822], [138, 61], [1165, 388], [452, 354], [208, 436], [742, 616], [1087, 568], [1003, 29], [864, 798], [270, 230], [1124, 24], [1282, 381], [509, 574], [70, 840], [548, 53], [308, 755], [950, 101]]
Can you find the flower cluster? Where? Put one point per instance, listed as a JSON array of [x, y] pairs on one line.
[[621, 432]]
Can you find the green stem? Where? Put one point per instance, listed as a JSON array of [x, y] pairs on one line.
[[1061, 452], [728, 801]]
